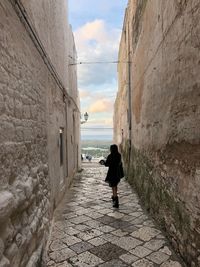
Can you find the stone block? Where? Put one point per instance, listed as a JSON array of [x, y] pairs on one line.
[[18, 108], [1, 248], [19, 239], [31, 245], [24, 259], [13, 254], [26, 112], [28, 186], [35, 259], [33, 172], [20, 196], [7, 131], [34, 225], [4, 262], [6, 204], [8, 232]]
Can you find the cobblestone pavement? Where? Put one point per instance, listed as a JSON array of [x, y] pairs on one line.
[[88, 231]]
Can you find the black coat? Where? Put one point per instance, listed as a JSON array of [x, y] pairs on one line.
[[113, 162]]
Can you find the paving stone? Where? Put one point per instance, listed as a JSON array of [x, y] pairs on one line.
[[109, 237], [70, 215], [160, 236], [106, 228], [93, 214], [85, 259], [57, 245], [158, 257], [106, 219], [140, 251], [114, 263], [61, 225], [57, 234], [127, 242], [149, 223], [127, 218], [71, 231], [81, 247], [145, 233], [139, 220], [70, 240], [129, 258], [131, 228], [82, 227], [89, 232], [65, 264], [116, 215], [61, 255], [155, 244], [118, 223], [79, 219], [108, 251], [166, 250], [136, 214], [81, 212], [104, 211], [97, 207], [93, 223], [171, 264], [143, 263], [119, 232], [97, 241]]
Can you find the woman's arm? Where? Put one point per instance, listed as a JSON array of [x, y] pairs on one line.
[[107, 163]]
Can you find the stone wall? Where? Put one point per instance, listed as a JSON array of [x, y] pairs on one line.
[[161, 42], [50, 21], [34, 106]]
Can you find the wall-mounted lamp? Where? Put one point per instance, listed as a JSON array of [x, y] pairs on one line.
[[85, 118]]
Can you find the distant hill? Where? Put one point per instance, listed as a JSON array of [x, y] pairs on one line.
[[96, 143], [95, 148]]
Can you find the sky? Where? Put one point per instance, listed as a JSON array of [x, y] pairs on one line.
[[97, 27]]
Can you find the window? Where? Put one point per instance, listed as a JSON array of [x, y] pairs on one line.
[[61, 146]]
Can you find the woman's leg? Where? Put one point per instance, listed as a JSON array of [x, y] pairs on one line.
[[115, 197], [114, 191]]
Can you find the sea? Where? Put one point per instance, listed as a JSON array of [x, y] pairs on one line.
[[95, 137]]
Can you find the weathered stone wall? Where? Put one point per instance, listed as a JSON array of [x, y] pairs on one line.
[[162, 44], [50, 20], [24, 182], [74, 116], [33, 108]]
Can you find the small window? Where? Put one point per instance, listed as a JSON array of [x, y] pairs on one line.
[[61, 146]]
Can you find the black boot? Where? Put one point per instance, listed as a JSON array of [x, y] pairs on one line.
[[115, 202]]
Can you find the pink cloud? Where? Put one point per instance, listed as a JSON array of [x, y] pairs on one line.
[[102, 105], [84, 93]]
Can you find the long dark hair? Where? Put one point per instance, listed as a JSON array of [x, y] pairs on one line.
[[114, 149]]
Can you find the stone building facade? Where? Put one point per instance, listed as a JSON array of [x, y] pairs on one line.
[[157, 114], [39, 124]]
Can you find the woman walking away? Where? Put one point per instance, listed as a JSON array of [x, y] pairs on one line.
[[113, 176]]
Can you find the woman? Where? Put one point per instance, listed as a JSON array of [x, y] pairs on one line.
[[113, 176]]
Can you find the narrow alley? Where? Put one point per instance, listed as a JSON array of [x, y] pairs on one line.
[[76, 77], [87, 231]]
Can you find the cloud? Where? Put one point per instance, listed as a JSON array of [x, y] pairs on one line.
[[92, 31], [112, 11], [100, 106], [97, 42], [84, 93], [100, 120]]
